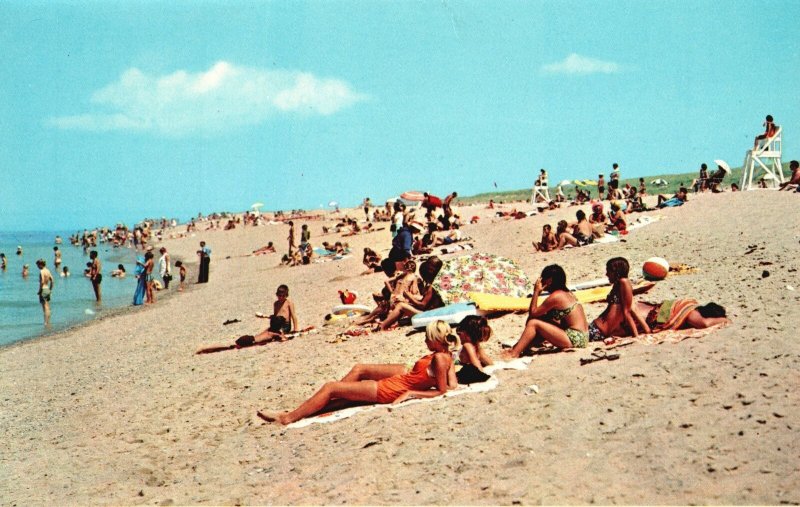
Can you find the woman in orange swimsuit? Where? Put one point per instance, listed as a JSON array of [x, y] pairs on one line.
[[431, 376]]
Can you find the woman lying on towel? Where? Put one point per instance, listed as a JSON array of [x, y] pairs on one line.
[[432, 375], [673, 314], [560, 320], [624, 318]]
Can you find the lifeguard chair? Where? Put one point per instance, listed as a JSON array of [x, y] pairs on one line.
[[540, 190], [767, 158]]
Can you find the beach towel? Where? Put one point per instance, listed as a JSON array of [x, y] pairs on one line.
[[479, 387], [671, 314], [673, 335]]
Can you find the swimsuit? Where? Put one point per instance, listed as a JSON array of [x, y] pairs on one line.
[[595, 335], [583, 240], [578, 338], [418, 379], [45, 295]]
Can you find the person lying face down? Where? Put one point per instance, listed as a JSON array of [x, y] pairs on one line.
[[432, 375]]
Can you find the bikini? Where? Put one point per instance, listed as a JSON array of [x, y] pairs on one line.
[[595, 335], [578, 338], [418, 379]]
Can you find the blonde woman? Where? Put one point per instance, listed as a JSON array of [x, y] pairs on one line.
[[432, 375]]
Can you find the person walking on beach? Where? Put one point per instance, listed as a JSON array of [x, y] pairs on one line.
[[367, 204], [291, 237], [94, 274], [164, 268], [601, 186], [45, 288], [205, 262]]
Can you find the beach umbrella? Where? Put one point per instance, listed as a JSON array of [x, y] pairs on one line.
[[257, 205], [480, 272], [590, 183], [724, 165], [333, 204], [565, 183], [413, 195], [659, 182]]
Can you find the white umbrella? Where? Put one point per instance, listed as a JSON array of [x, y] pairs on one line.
[[565, 183], [257, 205], [333, 204], [659, 182], [724, 165]]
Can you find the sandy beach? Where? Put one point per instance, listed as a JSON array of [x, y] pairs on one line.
[[123, 412]]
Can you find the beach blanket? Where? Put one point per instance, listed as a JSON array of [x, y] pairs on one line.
[[673, 335], [481, 387]]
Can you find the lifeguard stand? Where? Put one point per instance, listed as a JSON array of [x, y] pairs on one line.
[[766, 157], [540, 190]]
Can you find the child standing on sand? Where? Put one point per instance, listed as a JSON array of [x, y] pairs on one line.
[[182, 273]]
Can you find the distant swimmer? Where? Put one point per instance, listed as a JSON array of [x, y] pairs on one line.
[[19, 250], [56, 257]]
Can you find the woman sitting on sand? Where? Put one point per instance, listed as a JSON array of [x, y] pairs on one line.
[[432, 375], [472, 331], [427, 299], [559, 320], [371, 260], [618, 319], [616, 219], [564, 237]]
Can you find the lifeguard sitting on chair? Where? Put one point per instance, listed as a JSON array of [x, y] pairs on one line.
[[769, 131]]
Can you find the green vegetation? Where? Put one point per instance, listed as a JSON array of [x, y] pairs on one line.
[[674, 181]]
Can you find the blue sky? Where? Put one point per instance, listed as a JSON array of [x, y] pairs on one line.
[[122, 110]]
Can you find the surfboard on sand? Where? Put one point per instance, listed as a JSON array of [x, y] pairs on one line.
[[495, 303]]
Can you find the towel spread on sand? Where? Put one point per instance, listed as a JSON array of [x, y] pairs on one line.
[[516, 364], [670, 314], [673, 335]]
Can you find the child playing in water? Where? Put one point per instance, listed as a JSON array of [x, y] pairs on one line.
[[432, 375]]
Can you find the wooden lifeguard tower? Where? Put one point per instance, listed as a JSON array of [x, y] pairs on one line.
[[767, 158], [540, 191]]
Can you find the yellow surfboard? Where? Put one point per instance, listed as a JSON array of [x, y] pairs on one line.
[[495, 303]]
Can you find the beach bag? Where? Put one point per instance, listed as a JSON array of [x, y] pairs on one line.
[[347, 297], [469, 374]]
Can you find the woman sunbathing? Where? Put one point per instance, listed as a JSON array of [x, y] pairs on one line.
[[618, 319], [616, 219], [680, 314], [559, 320], [432, 375]]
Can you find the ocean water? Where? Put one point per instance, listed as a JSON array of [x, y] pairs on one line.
[[72, 301]]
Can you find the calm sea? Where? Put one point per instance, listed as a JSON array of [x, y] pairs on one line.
[[72, 301]]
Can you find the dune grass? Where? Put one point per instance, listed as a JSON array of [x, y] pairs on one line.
[[674, 181]]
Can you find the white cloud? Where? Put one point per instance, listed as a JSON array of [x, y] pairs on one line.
[[577, 64], [224, 97]]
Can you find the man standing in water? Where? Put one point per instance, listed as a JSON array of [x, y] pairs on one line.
[[94, 274], [45, 288]]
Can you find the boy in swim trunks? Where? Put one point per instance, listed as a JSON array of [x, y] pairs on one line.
[[283, 319], [45, 288]]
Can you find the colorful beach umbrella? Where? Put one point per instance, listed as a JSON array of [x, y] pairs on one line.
[[480, 272], [413, 195]]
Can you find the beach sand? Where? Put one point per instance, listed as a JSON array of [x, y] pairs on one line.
[[123, 412]]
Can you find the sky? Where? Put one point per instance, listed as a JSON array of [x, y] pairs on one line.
[[117, 111]]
